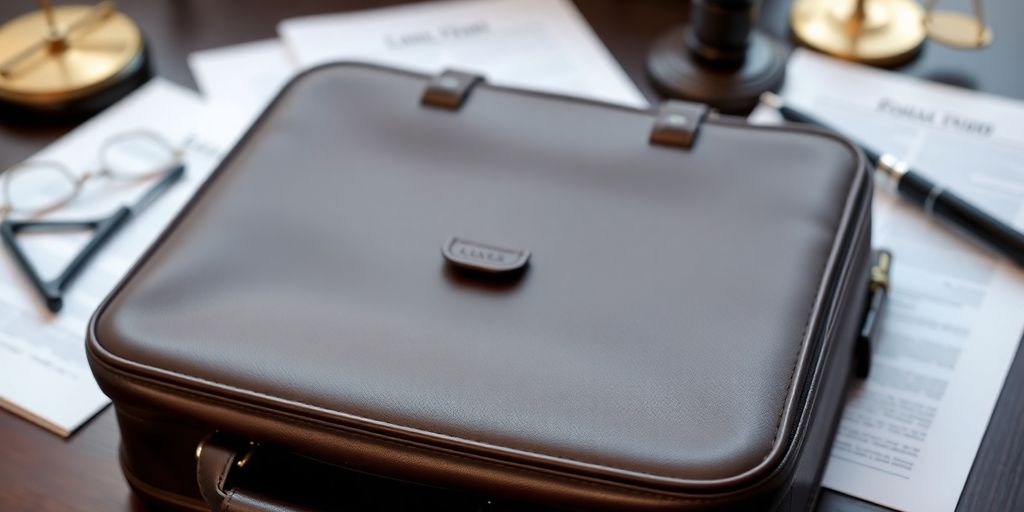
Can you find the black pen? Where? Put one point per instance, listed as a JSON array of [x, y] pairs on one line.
[[935, 199]]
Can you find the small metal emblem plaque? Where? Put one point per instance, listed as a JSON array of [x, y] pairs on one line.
[[486, 258]]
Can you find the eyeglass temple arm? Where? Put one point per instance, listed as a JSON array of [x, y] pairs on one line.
[[159, 188], [52, 292], [103, 229]]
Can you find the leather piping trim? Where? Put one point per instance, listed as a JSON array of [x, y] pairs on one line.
[[326, 426], [776, 452]]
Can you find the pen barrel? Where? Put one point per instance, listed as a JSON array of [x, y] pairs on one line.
[[915, 188], [969, 219]]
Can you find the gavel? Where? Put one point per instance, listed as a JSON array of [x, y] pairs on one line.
[[720, 58]]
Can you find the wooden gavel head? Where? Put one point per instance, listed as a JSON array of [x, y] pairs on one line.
[[719, 30], [720, 58]]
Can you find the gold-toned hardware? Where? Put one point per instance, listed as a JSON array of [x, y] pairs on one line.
[[772, 100], [66, 53], [893, 168], [199, 447], [253, 445], [880, 271], [879, 32], [240, 463], [958, 29]]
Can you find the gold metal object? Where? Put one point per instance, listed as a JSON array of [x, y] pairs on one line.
[[958, 29], [62, 54], [880, 271], [893, 168], [879, 32]]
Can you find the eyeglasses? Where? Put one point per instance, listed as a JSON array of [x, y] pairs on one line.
[[35, 188]]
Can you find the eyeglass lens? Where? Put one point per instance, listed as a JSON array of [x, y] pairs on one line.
[[136, 155], [38, 186]]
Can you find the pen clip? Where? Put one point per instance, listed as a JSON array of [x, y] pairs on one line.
[[878, 289]]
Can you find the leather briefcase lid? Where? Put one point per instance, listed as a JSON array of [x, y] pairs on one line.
[[514, 275]]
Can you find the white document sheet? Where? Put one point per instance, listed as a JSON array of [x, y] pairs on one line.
[[909, 434], [44, 375], [536, 44], [243, 77]]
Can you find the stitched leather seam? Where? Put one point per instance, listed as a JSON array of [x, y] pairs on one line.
[[121, 411], [823, 273], [226, 506], [418, 448], [486, 444], [792, 373], [446, 436], [224, 475], [136, 417], [505, 448], [796, 361], [492, 445], [263, 117]]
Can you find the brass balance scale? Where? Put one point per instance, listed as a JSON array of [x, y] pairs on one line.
[[68, 60], [885, 32]]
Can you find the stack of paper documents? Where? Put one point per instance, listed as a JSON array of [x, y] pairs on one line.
[[43, 371], [535, 44], [956, 313]]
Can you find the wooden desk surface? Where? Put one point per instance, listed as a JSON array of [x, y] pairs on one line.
[[40, 472]]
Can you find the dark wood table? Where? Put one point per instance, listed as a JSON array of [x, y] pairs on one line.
[[41, 472]]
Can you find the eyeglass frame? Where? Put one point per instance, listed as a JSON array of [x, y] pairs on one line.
[[78, 182], [52, 291]]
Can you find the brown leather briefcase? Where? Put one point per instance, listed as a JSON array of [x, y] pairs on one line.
[[402, 292]]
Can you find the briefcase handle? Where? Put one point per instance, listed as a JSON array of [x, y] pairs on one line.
[[228, 469], [217, 458]]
